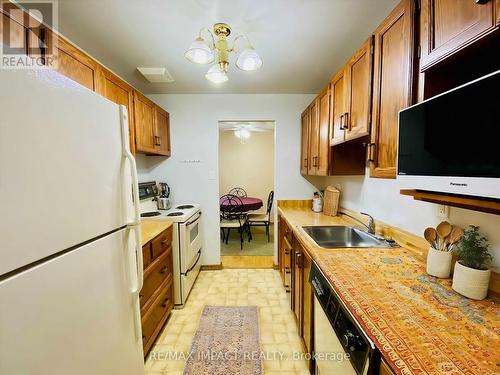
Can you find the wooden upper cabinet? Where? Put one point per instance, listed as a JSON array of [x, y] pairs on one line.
[[304, 142], [73, 63], [449, 25], [338, 107], [359, 78], [393, 58], [144, 119], [313, 137], [162, 131], [323, 154], [119, 92]]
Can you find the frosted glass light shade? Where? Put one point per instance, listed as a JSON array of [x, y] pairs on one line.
[[249, 59], [199, 52], [216, 75], [242, 133]]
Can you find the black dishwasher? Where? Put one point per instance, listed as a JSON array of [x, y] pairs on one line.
[[361, 352]]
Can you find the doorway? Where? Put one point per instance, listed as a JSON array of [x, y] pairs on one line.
[[246, 193]]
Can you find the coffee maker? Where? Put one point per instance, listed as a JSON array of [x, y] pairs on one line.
[[163, 199]]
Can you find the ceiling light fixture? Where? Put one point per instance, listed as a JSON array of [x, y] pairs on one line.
[[203, 52]]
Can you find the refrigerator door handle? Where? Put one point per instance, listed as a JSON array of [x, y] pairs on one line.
[[135, 225]]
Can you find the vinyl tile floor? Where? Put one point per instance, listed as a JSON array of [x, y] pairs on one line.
[[280, 343]]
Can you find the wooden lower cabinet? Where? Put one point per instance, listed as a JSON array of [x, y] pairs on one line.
[[295, 267], [157, 294], [385, 369]]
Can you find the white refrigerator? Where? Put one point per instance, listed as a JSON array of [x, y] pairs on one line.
[[70, 251]]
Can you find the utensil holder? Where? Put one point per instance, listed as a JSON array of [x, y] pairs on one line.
[[439, 263]]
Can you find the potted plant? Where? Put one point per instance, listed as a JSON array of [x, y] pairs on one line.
[[471, 276]]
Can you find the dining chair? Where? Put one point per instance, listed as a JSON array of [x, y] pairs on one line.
[[239, 192], [255, 220], [232, 216]]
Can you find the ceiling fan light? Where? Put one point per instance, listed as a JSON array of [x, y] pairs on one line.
[[242, 133], [249, 60], [199, 52], [216, 75]]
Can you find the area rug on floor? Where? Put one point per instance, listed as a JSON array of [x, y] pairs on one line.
[[226, 342], [258, 246]]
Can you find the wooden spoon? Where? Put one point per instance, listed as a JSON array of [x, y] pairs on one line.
[[443, 230], [455, 236], [430, 235]]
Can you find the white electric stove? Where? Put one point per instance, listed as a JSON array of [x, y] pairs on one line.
[[187, 238]]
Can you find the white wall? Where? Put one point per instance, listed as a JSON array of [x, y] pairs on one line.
[[248, 164], [381, 199], [192, 171]]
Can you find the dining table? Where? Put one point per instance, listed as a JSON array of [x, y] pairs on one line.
[[249, 204]]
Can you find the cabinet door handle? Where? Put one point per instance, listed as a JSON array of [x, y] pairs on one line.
[[347, 124], [341, 126], [165, 303], [370, 152], [287, 270], [305, 162], [298, 256], [163, 270], [481, 2]]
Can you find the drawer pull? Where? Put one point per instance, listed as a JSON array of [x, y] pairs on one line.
[[163, 270], [165, 303], [164, 241]]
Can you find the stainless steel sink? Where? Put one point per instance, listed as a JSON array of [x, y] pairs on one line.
[[341, 236]]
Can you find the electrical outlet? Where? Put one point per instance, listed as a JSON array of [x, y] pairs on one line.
[[443, 212]]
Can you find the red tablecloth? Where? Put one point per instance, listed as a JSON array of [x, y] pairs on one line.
[[249, 204]]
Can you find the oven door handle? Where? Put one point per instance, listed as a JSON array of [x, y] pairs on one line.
[[195, 263], [194, 221]]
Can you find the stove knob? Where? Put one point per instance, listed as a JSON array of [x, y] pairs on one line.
[[349, 341]]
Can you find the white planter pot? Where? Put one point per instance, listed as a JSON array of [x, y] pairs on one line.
[[470, 282], [439, 263]]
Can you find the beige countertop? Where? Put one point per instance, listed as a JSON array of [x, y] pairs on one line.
[[420, 325], [151, 228]]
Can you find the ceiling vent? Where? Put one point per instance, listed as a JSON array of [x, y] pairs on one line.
[[156, 75]]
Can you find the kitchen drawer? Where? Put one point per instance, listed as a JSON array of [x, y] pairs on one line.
[[155, 317], [154, 276], [161, 243], [146, 255]]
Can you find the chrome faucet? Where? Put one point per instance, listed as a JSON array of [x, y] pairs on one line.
[[371, 222]]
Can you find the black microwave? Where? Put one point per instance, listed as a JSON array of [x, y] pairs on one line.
[[451, 142]]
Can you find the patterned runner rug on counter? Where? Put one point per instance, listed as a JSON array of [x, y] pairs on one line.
[[226, 342]]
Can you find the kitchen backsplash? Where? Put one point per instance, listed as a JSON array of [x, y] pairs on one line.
[[381, 199]]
